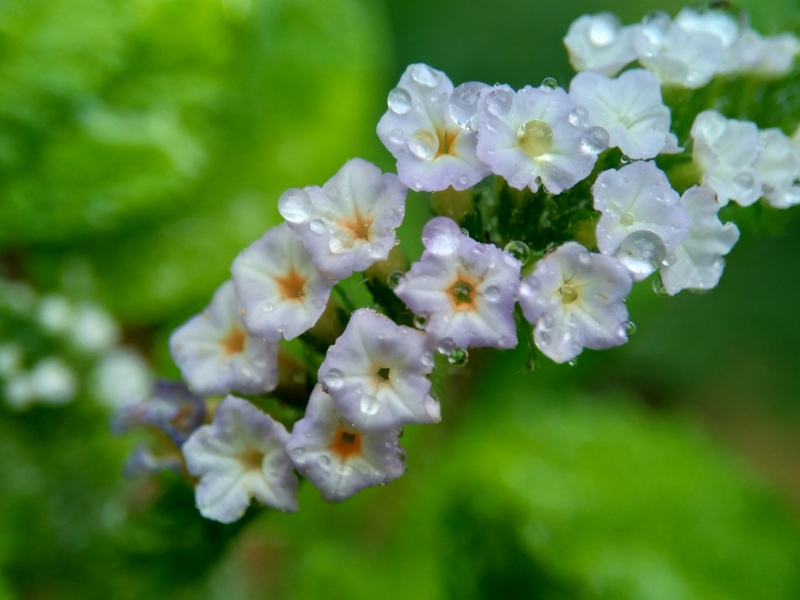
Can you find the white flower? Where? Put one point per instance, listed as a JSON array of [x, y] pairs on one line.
[[698, 260], [121, 377], [93, 330], [337, 458], [376, 374], [717, 23], [55, 314], [467, 290], [600, 43], [240, 456], [52, 381], [778, 167], [575, 300], [216, 355], [641, 219], [675, 55], [725, 150], [349, 223], [11, 356], [629, 108], [433, 152], [536, 133], [280, 290], [18, 391], [772, 56]]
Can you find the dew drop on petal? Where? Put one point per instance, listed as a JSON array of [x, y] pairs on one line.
[[492, 293], [669, 260], [434, 410], [299, 451], [318, 226], [397, 136], [573, 362], [535, 138], [549, 83], [324, 461], [518, 250], [369, 404], [642, 252], [624, 159], [458, 357], [394, 278], [424, 75], [658, 287], [655, 27], [424, 144], [594, 140], [426, 360], [630, 328], [446, 345], [295, 206], [333, 379], [603, 30], [420, 321], [744, 182], [578, 116], [442, 239], [627, 219], [463, 103], [399, 101], [499, 101]]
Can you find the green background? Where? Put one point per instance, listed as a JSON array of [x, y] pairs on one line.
[[144, 143]]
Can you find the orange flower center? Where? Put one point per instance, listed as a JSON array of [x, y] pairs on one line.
[[345, 445], [292, 285], [234, 342]]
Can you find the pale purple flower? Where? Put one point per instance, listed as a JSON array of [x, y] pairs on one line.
[[349, 223], [641, 220], [280, 291], [337, 458], [629, 108], [240, 456], [575, 300], [600, 43], [216, 355], [534, 135], [433, 151], [778, 168], [698, 261], [465, 289], [376, 373], [725, 151]]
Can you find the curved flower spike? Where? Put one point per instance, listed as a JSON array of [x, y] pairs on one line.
[[240, 456], [635, 201], [376, 374], [216, 355], [466, 289], [725, 150], [536, 134], [600, 43], [337, 458], [280, 291], [575, 300], [433, 152], [698, 260], [348, 224], [629, 108]]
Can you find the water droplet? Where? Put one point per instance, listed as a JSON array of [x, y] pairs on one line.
[[535, 138], [518, 250], [424, 75], [584, 258], [594, 140], [669, 260], [446, 345], [463, 103], [744, 182], [420, 321], [499, 102], [624, 159], [603, 30], [369, 404], [441, 237], [573, 362], [394, 278], [426, 360], [630, 328], [569, 293], [658, 287], [333, 379], [318, 226], [299, 451], [655, 27], [433, 408], [642, 252], [399, 101], [397, 136], [324, 461], [549, 83], [424, 144], [578, 116], [627, 219], [458, 357], [492, 293], [295, 206]]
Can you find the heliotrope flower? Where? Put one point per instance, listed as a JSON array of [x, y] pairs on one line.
[[337, 458], [698, 260], [172, 408], [778, 168], [641, 220], [376, 373], [725, 150], [677, 55], [629, 108], [575, 300], [467, 290], [717, 23], [216, 355], [600, 43], [280, 291], [349, 223], [239, 456], [433, 151], [534, 135]]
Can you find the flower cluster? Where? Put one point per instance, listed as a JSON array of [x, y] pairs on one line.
[[551, 204]]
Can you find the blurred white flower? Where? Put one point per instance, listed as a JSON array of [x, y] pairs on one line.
[[600, 43]]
